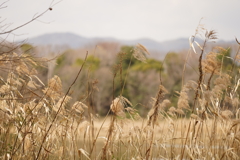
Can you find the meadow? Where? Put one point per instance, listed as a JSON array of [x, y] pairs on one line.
[[40, 120]]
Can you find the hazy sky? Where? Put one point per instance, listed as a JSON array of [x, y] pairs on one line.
[[125, 19]]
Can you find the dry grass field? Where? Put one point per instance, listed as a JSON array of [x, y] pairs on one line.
[[39, 121]]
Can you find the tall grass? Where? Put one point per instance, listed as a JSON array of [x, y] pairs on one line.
[[38, 122]]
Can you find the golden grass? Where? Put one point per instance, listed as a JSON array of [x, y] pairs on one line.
[[38, 122]]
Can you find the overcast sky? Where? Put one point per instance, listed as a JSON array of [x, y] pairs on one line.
[[125, 19]]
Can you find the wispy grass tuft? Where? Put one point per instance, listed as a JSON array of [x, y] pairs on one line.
[[41, 121]]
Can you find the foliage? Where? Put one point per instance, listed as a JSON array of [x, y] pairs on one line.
[[60, 60], [92, 62], [151, 64], [224, 56], [26, 48]]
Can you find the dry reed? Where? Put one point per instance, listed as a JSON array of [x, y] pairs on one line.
[[38, 123]]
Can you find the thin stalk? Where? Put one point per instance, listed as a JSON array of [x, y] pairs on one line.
[[183, 147], [200, 76], [58, 111]]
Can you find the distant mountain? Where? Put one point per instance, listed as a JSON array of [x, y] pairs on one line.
[[69, 39], [75, 41]]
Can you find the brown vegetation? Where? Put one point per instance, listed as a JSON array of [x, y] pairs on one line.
[[39, 122], [186, 107]]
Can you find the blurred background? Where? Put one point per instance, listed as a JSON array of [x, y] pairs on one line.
[[108, 28]]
